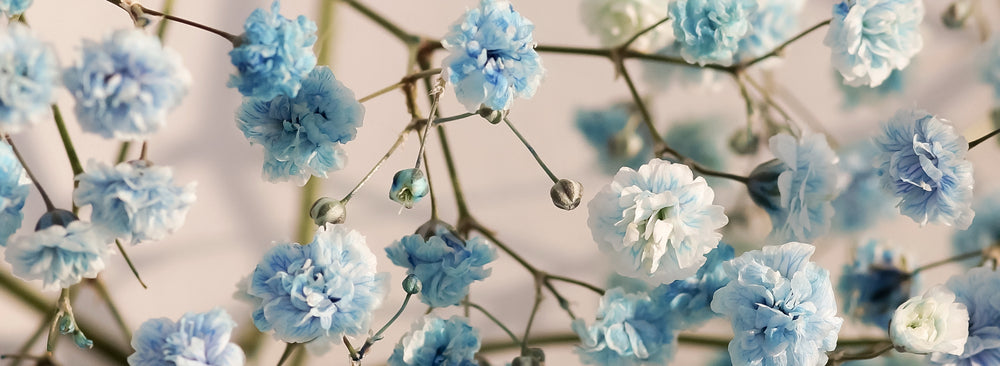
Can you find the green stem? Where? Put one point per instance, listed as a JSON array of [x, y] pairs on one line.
[[357, 356], [456, 187], [958, 258], [392, 149], [513, 338], [105, 295], [290, 348], [74, 160], [648, 29], [454, 118], [128, 261], [781, 47], [839, 357], [62, 306], [161, 29], [564, 338], [430, 188], [531, 317], [228, 36], [383, 22], [306, 227], [531, 149], [42, 327], [122, 152]]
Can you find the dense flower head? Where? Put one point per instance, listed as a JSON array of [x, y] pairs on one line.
[[664, 75], [195, 339], [492, 57], [11, 8], [710, 31], [615, 21], [870, 38], [628, 331], [976, 289], [922, 163], [303, 135], [435, 341], [774, 22], [125, 85], [59, 256], [29, 73], [862, 203], [656, 222], [985, 228], [781, 306], [327, 288], [932, 322], [273, 55], [875, 283], [14, 188], [445, 264], [615, 136], [135, 201], [688, 301]]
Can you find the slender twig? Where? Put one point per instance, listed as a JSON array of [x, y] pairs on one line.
[[453, 118], [144, 152], [980, 140], [598, 290], [128, 261], [386, 24], [430, 188], [534, 312], [105, 295], [62, 304], [392, 149], [456, 187], [41, 191], [228, 36], [404, 81], [378, 335], [435, 99], [841, 356], [956, 258], [290, 348], [781, 47], [531, 149], [564, 338], [495, 321], [648, 29]]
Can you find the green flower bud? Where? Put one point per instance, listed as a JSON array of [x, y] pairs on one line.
[[492, 116], [412, 285], [55, 217]]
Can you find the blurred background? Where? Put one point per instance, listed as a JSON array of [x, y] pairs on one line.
[[238, 215]]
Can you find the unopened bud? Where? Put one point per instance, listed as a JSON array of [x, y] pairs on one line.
[[408, 187], [328, 211], [81, 340], [411, 284], [566, 194], [534, 357], [956, 14], [492, 116], [763, 185], [624, 145], [55, 217], [744, 142]]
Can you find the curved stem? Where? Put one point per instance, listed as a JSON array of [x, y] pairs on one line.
[[534, 312], [782, 46], [430, 188], [404, 81], [41, 191], [980, 140], [598, 290], [128, 261], [495, 321], [399, 142], [531, 149], [290, 348], [74, 160], [228, 36]]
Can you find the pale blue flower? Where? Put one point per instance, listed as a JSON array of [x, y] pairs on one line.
[[273, 54], [304, 135], [781, 306], [14, 187], [59, 256], [656, 223], [11, 8], [327, 288], [855, 96], [709, 31], [135, 201], [862, 203], [125, 85], [875, 283], [435, 341], [688, 302], [201, 339], [445, 264], [698, 140], [492, 57], [774, 22], [984, 231], [29, 72], [922, 163], [615, 135], [665, 75], [629, 330], [870, 38], [976, 289]]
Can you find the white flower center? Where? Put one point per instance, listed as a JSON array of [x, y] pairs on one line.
[[650, 221]]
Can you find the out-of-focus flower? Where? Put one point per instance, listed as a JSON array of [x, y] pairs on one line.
[[875, 284], [870, 38], [445, 264], [628, 331], [664, 75], [13, 192], [273, 55], [688, 301], [710, 31], [614, 134], [195, 339], [862, 203], [615, 21], [29, 72], [774, 22], [974, 289], [11, 8], [985, 228], [436, 341]]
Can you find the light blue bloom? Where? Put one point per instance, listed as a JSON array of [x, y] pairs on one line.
[[273, 54], [709, 31], [126, 84], [408, 187], [664, 75], [29, 72], [875, 283], [195, 339], [700, 141], [327, 288], [688, 302], [628, 331], [13, 192], [615, 135], [59, 256], [445, 264], [435, 341], [984, 231], [870, 38], [922, 163], [863, 203], [11, 8], [774, 22], [781, 306], [492, 57], [855, 96], [304, 135], [134, 200], [976, 289]]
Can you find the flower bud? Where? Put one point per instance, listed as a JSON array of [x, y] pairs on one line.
[[624, 145], [566, 194], [492, 116], [408, 187], [328, 211], [411, 284], [55, 217], [744, 142], [763, 185], [534, 357], [957, 14], [81, 340], [933, 322]]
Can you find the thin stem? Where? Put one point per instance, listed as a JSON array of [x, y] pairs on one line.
[[399, 142], [122, 152], [534, 312], [782, 46], [46, 322], [771, 102], [456, 188], [564, 338], [958, 258], [748, 102], [62, 305], [41, 191], [404, 81], [435, 99], [648, 29], [228, 36], [454, 118], [430, 188], [383, 22], [128, 261], [381, 92], [105, 295], [495, 321], [290, 348], [378, 335], [517, 257], [144, 151], [308, 196], [984, 138], [532, 151], [161, 29], [839, 357], [74, 160], [598, 290]]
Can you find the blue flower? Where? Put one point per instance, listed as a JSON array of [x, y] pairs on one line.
[[870, 38], [629, 331], [922, 163], [863, 203], [984, 231], [492, 57], [59, 256], [774, 22], [613, 132], [855, 96], [126, 84], [435, 341], [195, 339], [11, 8], [664, 75], [875, 284], [13, 192], [28, 75], [273, 54], [444, 263], [781, 306], [688, 302], [976, 289], [134, 200], [709, 31], [327, 288], [656, 223], [698, 140], [303, 135]]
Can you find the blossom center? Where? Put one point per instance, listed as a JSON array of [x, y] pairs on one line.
[[649, 220]]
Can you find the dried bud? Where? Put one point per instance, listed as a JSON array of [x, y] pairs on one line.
[[957, 14], [566, 194], [408, 187], [55, 217], [411, 284], [744, 142], [66, 324], [328, 211], [492, 116]]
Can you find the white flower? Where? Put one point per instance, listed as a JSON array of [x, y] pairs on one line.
[[615, 21], [933, 322]]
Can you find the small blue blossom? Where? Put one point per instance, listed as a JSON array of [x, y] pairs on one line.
[[984, 231], [126, 84], [29, 72], [445, 264], [134, 201], [922, 163], [59, 256], [664, 75], [436, 341], [976, 289], [688, 302], [304, 135], [870, 38], [863, 203], [875, 284], [492, 57], [615, 135], [327, 288], [195, 339], [629, 331], [10, 8], [774, 22], [273, 54], [710, 31], [14, 187], [781, 306]]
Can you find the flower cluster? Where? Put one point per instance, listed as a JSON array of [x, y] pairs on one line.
[[974, 289], [875, 283], [710, 31], [273, 54], [13, 192], [613, 132], [615, 21], [59, 255], [870, 38], [629, 331], [194, 339], [436, 341], [28, 77], [688, 301]]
